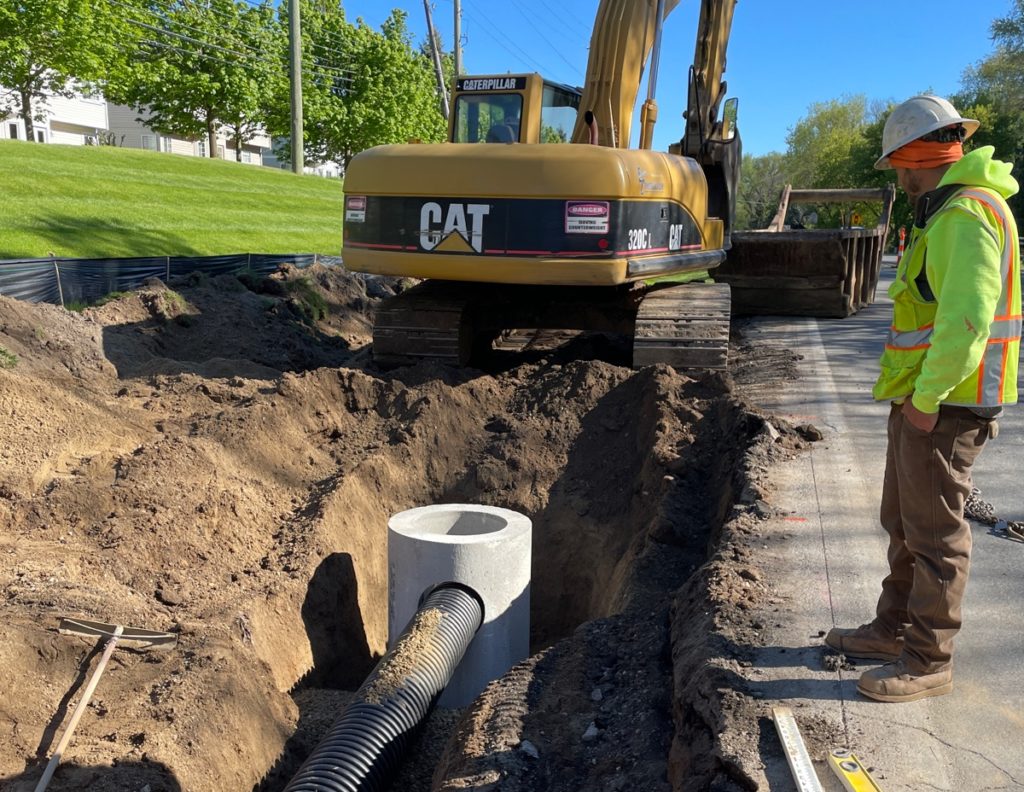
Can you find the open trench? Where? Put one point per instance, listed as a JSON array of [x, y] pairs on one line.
[[627, 478], [250, 514]]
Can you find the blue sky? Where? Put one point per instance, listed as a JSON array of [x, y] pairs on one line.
[[783, 56]]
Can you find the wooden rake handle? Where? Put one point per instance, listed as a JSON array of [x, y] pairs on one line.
[[65, 738]]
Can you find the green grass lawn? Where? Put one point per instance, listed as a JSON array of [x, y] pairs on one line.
[[95, 201]]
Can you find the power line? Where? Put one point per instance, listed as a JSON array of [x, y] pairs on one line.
[[329, 36], [171, 20], [494, 36], [207, 56], [526, 16], [582, 30], [249, 57]]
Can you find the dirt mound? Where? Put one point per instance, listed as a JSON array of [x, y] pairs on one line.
[[219, 458]]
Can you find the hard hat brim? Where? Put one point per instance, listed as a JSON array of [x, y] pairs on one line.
[[970, 127]]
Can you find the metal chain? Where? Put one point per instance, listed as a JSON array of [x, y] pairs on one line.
[[982, 511]]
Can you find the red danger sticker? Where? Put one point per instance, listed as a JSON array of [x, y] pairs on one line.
[[587, 217], [355, 208]]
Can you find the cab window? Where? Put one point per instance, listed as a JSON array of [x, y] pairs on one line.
[[488, 118], [558, 114]]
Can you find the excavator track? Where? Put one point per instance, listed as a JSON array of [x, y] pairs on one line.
[[685, 326], [427, 322]]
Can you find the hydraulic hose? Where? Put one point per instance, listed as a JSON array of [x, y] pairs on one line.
[[364, 746]]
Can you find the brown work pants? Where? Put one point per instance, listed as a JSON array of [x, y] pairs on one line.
[[927, 481]]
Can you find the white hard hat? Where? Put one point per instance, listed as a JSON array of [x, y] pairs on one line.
[[915, 118]]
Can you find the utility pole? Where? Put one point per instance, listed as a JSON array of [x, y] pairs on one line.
[[437, 59], [295, 51], [458, 38]]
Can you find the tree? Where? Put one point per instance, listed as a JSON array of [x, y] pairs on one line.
[[761, 183], [819, 146], [993, 92], [47, 46], [205, 64], [325, 74], [392, 96], [363, 87]]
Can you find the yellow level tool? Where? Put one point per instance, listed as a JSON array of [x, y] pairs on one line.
[[851, 772], [796, 752]]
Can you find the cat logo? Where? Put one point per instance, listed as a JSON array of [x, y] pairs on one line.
[[448, 231]]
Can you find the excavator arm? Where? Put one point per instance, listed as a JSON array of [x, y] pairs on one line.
[[624, 34], [707, 89]]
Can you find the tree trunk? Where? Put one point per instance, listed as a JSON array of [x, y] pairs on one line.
[[26, 115], [211, 136], [238, 144]]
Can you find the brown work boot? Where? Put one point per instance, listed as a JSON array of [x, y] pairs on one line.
[[868, 640], [896, 682]]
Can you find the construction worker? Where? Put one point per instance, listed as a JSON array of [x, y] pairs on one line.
[[948, 367]]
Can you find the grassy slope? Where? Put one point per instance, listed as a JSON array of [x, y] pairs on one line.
[[106, 201]]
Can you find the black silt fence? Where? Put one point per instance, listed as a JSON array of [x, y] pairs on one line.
[[76, 280]]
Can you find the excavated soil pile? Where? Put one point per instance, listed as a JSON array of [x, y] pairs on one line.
[[219, 459]]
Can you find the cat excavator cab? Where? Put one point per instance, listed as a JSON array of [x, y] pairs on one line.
[[537, 213]]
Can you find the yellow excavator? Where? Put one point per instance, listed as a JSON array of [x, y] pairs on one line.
[[536, 213]]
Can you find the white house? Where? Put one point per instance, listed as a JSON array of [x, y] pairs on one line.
[[329, 169], [75, 121], [126, 130], [88, 120]]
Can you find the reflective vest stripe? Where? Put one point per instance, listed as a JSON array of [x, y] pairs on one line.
[[910, 339], [1005, 328]]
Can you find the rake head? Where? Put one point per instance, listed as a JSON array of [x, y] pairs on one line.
[[133, 637]]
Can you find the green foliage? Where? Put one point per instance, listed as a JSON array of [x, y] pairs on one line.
[[374, 89], [46, 46], [95, 201], [189, 89], [552, 134], [993, 92], [310, 303], [8, 360], [761, 183], [108, 298], [821, 143]]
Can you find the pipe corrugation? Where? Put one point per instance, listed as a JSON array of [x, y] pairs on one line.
[[363, 748]]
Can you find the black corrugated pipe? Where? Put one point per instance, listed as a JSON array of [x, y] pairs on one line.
[[363, 748]]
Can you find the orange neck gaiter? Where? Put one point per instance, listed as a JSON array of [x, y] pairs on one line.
[[925, 154]]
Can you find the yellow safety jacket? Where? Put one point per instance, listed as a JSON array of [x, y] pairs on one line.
[[956, 328]]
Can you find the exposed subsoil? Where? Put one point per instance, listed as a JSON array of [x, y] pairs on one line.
[[205, 459]]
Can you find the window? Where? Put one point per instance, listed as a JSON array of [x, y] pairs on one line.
[[201, 148], [149, 142], [558, 113], [40, 135], [13, 129], [246, 156], [493, 118]]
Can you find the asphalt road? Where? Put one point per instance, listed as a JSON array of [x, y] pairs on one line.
[[827, 557]]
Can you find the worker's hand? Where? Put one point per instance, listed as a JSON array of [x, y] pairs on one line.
[[920, 420]]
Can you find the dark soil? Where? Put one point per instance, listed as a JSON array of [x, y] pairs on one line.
[[219, 459]]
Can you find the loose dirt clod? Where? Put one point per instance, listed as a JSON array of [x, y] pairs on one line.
[[224, 462]]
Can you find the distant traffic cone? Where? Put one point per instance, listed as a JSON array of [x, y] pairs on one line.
[[899, 250]]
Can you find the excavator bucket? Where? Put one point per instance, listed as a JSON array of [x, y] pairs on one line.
[[828, 272]]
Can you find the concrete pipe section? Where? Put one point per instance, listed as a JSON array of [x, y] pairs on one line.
[[484, 548]]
